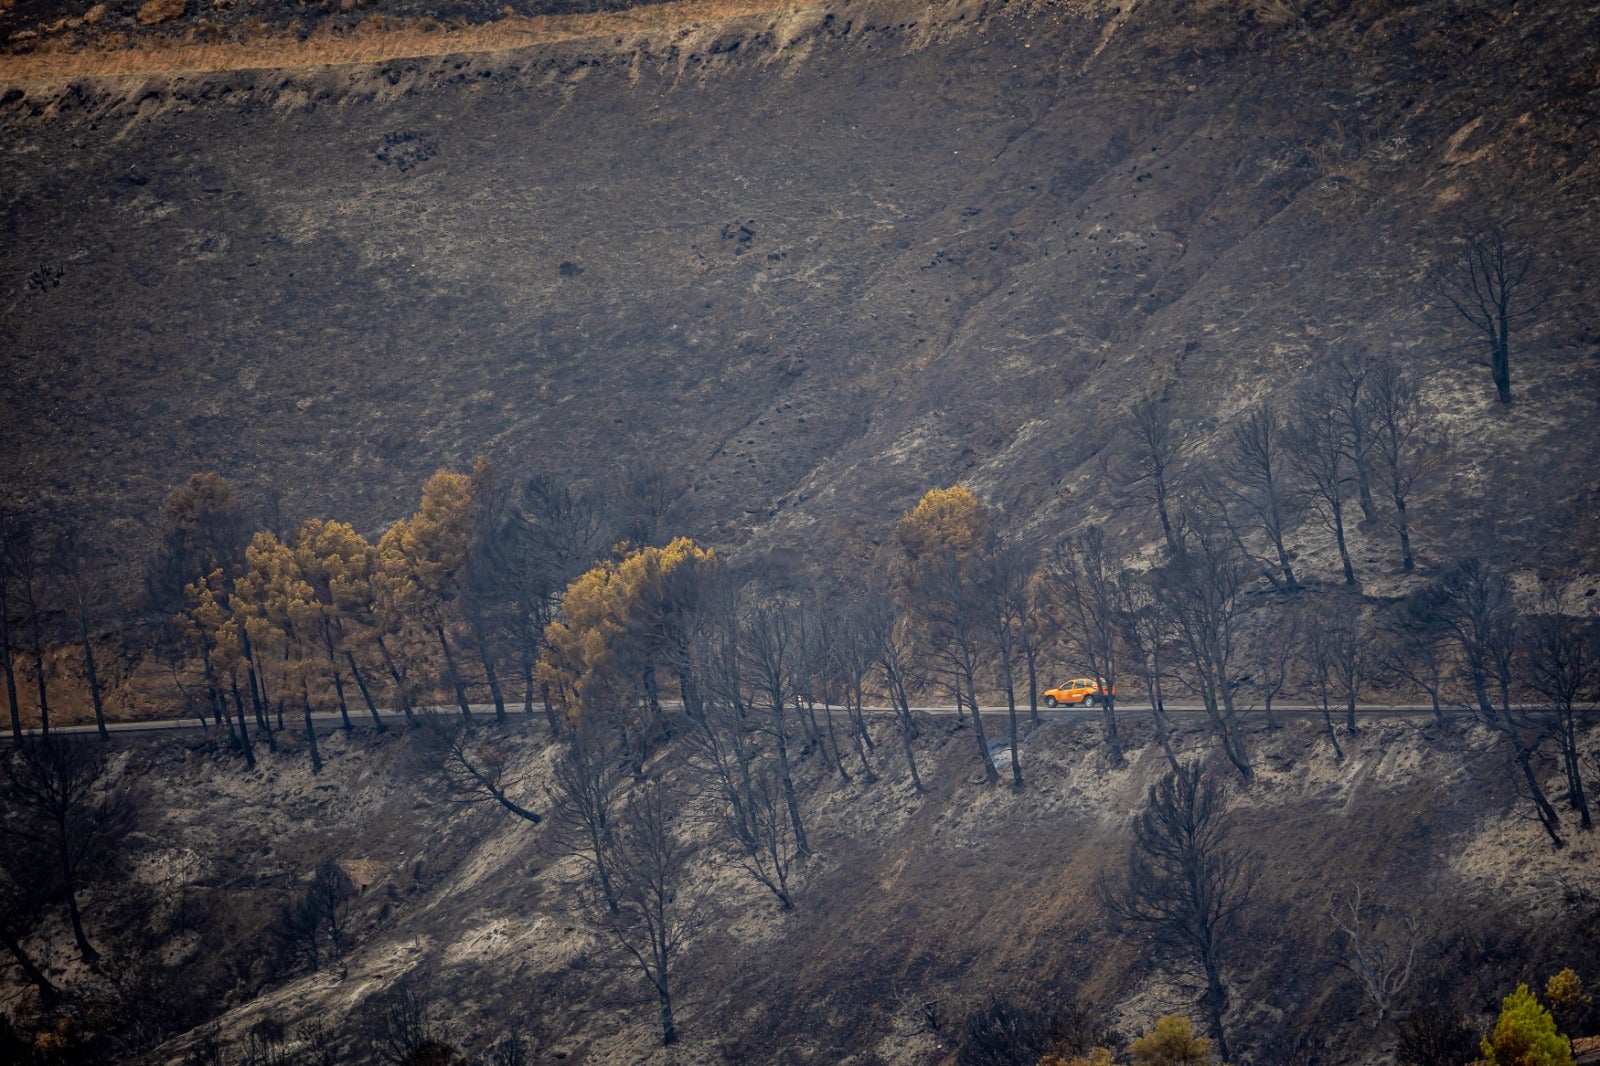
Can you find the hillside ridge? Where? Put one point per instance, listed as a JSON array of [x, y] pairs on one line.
[[871, 249]]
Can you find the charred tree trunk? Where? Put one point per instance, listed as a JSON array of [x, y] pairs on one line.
[[11, 683], [69, 888], [48, 993], [802, 848], [550, 710], [489, 674], [244, 732], [311, 733], [38, 672], [366, 694], [92, 675], [402, 696], [455, 675]]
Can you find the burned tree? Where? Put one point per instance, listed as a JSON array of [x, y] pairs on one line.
[[1490, 282], [1147, 633], [1402, 455], [542, 545], [1414, 648], [1317, 652], [1344, 382], [1270, 656], [52, 791], [1350, 645], [1320, 445], [1157, 452], [1203, 591], [945, 541], [408, 1034], [649, 505], [893, 651], [1258, 489], [9, 529], [1474, 606], [1188, 883], [22, 559], [1009, 572], [1562, 653], [1377, 946], [583, 801], [732, 751], [769, 648], [476, 770], [851, 666], [22, 898], [656, 911], [314, 924], [1085, 575]]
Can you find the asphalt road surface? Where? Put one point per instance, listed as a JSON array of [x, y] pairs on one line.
[[325, 722]]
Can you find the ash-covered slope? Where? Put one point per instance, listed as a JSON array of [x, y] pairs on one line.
[[946, 899], [820, 260]]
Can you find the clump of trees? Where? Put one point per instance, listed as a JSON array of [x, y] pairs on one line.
[[1525, 1035], [690, 697]]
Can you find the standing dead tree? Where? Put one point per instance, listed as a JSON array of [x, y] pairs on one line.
[[733, 753], [1259, 490], [409, 1034], [9, 529], [52, 786], [1344, 383], [1491, 283], [1188, 882], [315, 923], [893, 650], [22, 898], [1085, 575], [22, 557], [763, 840], [545, 542], [582, 801], [1377, 947], [1147, 633], [1401, 454], [1008, 573], [768, 657], [1318, 650], [656, 911], [1319, 446], [1414, 649], [851, 664], [947, 605], [1562, 654], [1473, 604], [1271, 654], [84, 595], [1203, 591], [1351, 648], [1159, 445]]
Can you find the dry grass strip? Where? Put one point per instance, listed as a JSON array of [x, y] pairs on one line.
[[377, 40]]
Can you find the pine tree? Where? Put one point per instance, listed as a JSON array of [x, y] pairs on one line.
[[1570, 1005], [1526, 1035], [1171, 1043]]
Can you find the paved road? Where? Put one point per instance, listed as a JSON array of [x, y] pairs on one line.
[[326, 722]]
